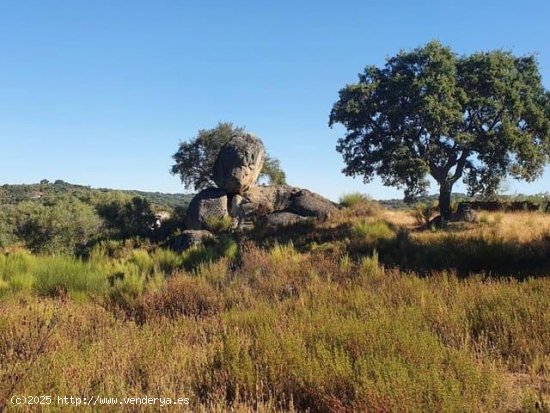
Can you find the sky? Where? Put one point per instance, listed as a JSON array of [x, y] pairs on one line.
[[100, 92]]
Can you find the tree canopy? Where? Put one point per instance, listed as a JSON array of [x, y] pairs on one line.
[[195, 158], [429, 112]]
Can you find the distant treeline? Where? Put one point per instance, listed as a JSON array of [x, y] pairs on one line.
[[60, 217], [13, 194], [508, 203], [510, 206]]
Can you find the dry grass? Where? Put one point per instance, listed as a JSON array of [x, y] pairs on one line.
[[521, 227], [329, 330]]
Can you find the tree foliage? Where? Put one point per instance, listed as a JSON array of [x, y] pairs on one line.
[[134, 218], [62, 227], [429, 112], [61, 218], [195, 158]]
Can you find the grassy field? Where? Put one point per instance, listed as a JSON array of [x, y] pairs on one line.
[[365, 313]]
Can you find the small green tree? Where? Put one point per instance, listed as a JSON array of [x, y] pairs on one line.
[[429, 112], [126, 219], [7, 226], [273, 172], [61, 227], [195, 158]]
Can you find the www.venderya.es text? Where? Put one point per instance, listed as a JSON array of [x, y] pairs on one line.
[[98, 400]]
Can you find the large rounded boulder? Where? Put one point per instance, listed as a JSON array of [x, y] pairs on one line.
[[208, 205], [270, 198], [282, 219], [191, 238], [265, 200], [239, 163], [310, 204], [464, 213]]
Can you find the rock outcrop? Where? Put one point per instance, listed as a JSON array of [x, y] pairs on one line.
[[310, 204], [236, 169], [191, 238], [239, 164], [464, 213], [282, 219], [270, 198], [209, 204]]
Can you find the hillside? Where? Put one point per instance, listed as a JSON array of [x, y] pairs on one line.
[[61, 217], [14, 194]]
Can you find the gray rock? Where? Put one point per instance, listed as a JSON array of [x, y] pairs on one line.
[[271, 198], [310, 204], [282, 219], [235, 209], [210, 203], [265, 200], [191, 238], [464, 213], [235, 203], [239, 163]]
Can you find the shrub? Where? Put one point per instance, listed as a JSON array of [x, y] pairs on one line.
[[64, 227], [59, 275], [143, 261], [126, 289], [359, 205], [128, 218], [181, 296], [167, 261], [370, 266], [21, 282], [483, 218], [373, 231], [215, 224], [47, 275], [353, 199], [195, 256]]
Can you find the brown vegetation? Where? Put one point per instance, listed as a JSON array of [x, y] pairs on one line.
[[321, 326]]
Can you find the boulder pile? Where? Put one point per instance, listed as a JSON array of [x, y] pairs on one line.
[[237, 200]]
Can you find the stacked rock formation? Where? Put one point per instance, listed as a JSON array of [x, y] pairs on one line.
[[235, 172], [239, 164]]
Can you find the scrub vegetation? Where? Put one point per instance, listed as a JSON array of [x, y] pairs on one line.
[[367, 312]]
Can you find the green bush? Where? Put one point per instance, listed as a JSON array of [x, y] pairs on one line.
[[60, 228], [62, 274], [215, 224], [372, 231], [52, 275], [353, 199]]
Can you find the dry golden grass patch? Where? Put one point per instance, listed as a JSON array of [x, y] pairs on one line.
[[520, 227], [401, 218], [284, 329]]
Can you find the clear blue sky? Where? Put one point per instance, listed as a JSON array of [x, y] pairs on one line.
[[100, 92]]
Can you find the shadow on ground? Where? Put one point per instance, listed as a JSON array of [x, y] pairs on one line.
[[496, 257]]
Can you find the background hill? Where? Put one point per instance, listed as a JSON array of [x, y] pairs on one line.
[[45, 190], [60, 217]]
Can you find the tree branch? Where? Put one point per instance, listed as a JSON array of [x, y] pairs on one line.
[[461, 163]]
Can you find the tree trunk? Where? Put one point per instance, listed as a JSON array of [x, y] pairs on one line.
[[445, 200]]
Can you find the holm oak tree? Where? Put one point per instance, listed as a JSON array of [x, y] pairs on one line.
[[195, 158], [429, 112]]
